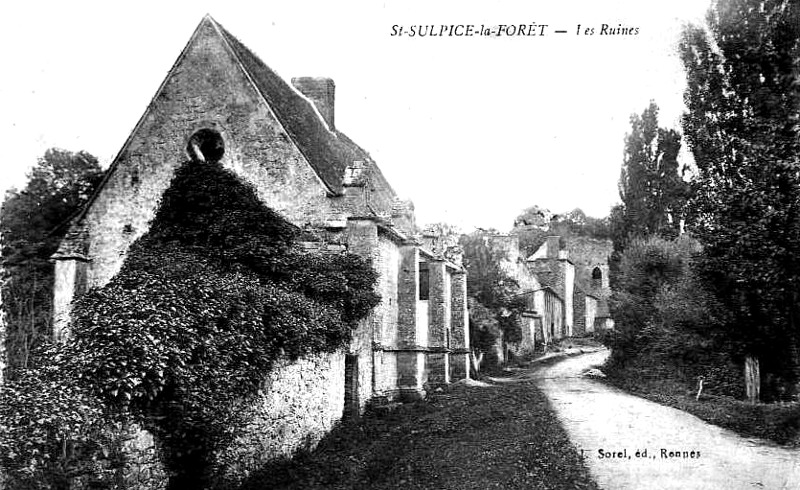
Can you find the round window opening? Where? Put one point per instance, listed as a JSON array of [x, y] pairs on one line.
[[206, 145]]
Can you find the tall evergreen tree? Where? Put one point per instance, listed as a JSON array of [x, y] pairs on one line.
[[743, 127]]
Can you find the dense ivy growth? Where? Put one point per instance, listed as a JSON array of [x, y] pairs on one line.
[[204, 306], [53, 433]]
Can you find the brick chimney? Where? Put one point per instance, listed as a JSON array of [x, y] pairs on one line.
[[321, 91]]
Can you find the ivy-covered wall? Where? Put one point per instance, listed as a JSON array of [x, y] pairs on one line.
[[208, 90]]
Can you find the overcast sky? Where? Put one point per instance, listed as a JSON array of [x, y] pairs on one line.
[[473, 130]]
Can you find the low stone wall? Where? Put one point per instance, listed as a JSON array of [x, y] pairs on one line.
[[300, 403]]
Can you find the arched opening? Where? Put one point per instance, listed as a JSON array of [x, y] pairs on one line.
[[597, 278], [206, 145]]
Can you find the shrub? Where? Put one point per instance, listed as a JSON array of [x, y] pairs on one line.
[[669, 322], [53, 433], [646, 267]]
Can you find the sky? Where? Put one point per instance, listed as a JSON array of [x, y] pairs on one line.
[[472, 129]]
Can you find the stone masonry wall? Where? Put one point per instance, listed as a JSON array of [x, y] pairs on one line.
[[387, 264], [63, 293], [362, 240], [381, 196], [568, 295], [459, 329], [385, 316], [2, 359], [591, 313], [407, 296], [299, 404], [579, 304], [438, 321], [588, 253]]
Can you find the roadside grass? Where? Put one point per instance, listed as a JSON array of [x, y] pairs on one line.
[[466, 437], [776, 422]]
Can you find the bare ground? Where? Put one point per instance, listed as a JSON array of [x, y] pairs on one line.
[[599, 417]]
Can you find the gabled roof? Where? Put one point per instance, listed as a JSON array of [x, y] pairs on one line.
[[328, 152]]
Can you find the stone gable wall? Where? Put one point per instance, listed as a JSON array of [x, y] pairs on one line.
[[381, 195], [207, 90]]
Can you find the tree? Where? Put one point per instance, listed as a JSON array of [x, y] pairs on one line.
[[742, 125], [492, 289], [442, 238], [30, 230], [651, 184], [647, 266], [668, 322], [484, 331]]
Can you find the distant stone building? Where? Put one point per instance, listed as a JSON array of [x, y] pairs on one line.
[[220, 102], [590, 256], [560, 301], [543, 319], [578, 267]]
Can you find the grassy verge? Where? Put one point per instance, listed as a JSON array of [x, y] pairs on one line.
[[467, 437], [779, 423]]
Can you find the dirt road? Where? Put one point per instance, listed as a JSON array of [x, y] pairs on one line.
[[613, 429]]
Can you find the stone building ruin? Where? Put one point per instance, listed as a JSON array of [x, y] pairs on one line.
[[220, 102], [563, 298]]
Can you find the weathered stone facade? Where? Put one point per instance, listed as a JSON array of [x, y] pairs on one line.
[[282, 140], [582, 280], [590, 256], [559, 302], [299, 404]]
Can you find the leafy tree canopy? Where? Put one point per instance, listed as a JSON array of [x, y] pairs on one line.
[[492, 289], [742, 127], [651, 184], [32, 223]]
